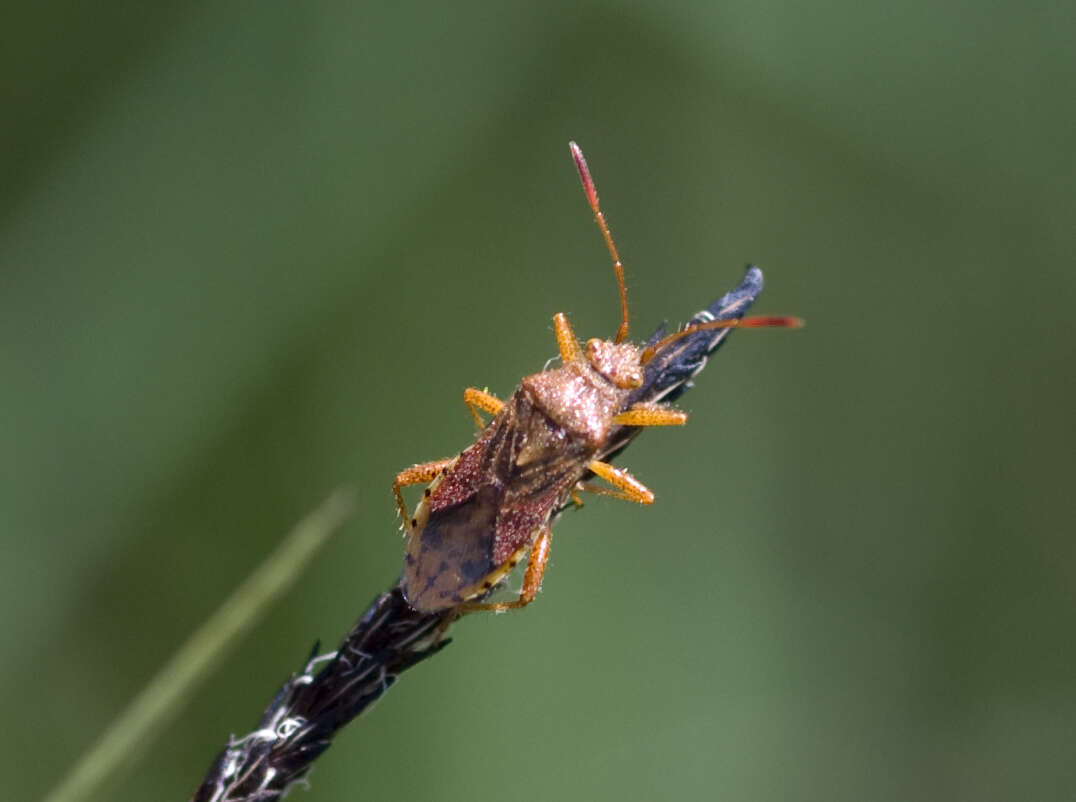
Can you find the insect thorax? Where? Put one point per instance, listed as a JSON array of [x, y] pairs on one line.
[[578, 399]]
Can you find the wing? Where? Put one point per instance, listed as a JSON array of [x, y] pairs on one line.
[[546, 463], [450, 547], [520, 519], [485, 511], [486, 463], [451, 552]]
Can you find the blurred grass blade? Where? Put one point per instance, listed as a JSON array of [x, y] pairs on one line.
[[158, 702]]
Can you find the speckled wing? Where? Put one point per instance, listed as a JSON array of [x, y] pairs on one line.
[[450, 548], [452, 553], [526, 509]]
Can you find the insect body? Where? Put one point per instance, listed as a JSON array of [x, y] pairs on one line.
[[484, 509]]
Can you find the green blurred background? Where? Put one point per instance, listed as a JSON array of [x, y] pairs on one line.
[[251, 252]]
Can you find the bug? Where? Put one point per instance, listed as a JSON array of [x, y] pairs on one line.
[[485, 508]]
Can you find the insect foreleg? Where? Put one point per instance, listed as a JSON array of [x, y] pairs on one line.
[[416, 475], [480, 399], [566, 342], [532, 579]]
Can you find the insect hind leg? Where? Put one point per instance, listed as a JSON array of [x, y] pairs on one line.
[[532, 580], [628, 488]]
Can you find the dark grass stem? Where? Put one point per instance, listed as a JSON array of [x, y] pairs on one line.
[[159, 702], [334, 688]]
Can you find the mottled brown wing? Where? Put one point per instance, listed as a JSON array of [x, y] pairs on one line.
[[452, 552], [543, 463], [530, 501], [477, 466], [488, 506], [450, 548]]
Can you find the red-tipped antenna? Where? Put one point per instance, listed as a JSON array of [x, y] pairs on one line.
[[757, 322], [592, 197]]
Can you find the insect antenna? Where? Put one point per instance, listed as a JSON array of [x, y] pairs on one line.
[[755, 322], [592, 196]]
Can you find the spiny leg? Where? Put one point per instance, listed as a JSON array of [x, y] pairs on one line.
[[476, 399], [631, 489], [416, 475], [598, 490], [650, 415], [532, 579], [566, 342]]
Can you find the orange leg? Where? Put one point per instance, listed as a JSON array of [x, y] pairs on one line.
[[566, 342], [650, 415], [597, 490], [480, 399], [532, 580], [630, 488], [416, 475]]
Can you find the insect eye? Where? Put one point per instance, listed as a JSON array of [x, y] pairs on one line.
[[627, 378]]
